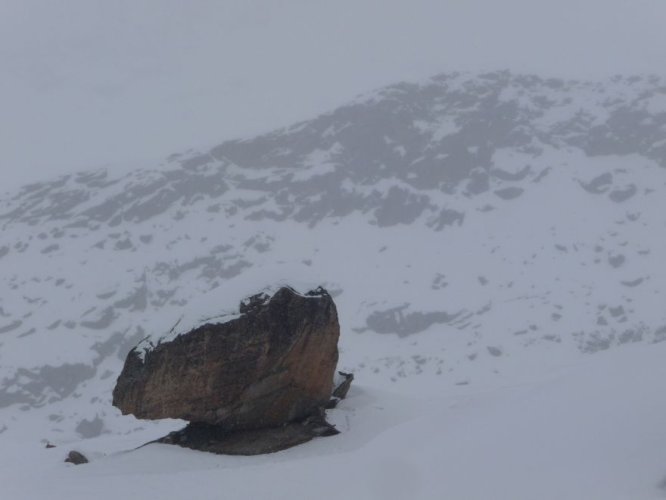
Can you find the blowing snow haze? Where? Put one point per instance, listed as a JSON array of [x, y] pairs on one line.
[[90, 83]]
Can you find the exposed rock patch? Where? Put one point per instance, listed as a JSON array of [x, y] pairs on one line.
[[342, 388], [342, 385], [215, 439], [76, 458]]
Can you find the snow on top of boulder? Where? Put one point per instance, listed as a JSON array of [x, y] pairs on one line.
[[221, 305]]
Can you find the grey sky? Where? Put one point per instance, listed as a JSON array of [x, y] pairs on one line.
[[87, 83]]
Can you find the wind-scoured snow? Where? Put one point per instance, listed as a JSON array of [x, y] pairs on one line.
[[476, 231]]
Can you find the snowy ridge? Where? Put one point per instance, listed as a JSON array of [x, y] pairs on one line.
[[474, 230]]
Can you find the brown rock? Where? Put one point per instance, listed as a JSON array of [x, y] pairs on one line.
[[272, 365]]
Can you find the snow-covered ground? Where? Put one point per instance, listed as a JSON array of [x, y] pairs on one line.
[[494, 243], [590, 429]]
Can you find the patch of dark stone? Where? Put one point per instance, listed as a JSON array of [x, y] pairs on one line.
[[342, 389], [76, 458], [215, 439], [257, 384]]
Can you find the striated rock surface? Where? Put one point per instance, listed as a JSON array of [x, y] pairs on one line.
[[271, 364]]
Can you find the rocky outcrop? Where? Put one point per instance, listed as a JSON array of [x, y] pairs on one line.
[[76, 458], [272, 365]]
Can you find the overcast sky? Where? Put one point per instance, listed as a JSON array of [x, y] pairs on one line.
[[88, 83]]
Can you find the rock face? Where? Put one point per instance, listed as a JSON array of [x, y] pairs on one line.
[[271, 365]]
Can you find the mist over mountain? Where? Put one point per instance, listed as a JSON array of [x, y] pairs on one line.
[[91, 83]]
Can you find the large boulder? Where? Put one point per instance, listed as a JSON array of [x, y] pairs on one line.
[[273, 363]]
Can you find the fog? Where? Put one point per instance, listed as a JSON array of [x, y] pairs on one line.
[[89, 83]]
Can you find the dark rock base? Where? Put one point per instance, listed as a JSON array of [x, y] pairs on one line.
[[217, 439], [214, 439], [76, 458]]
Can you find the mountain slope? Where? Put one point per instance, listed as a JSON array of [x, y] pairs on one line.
[[474, 229]]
